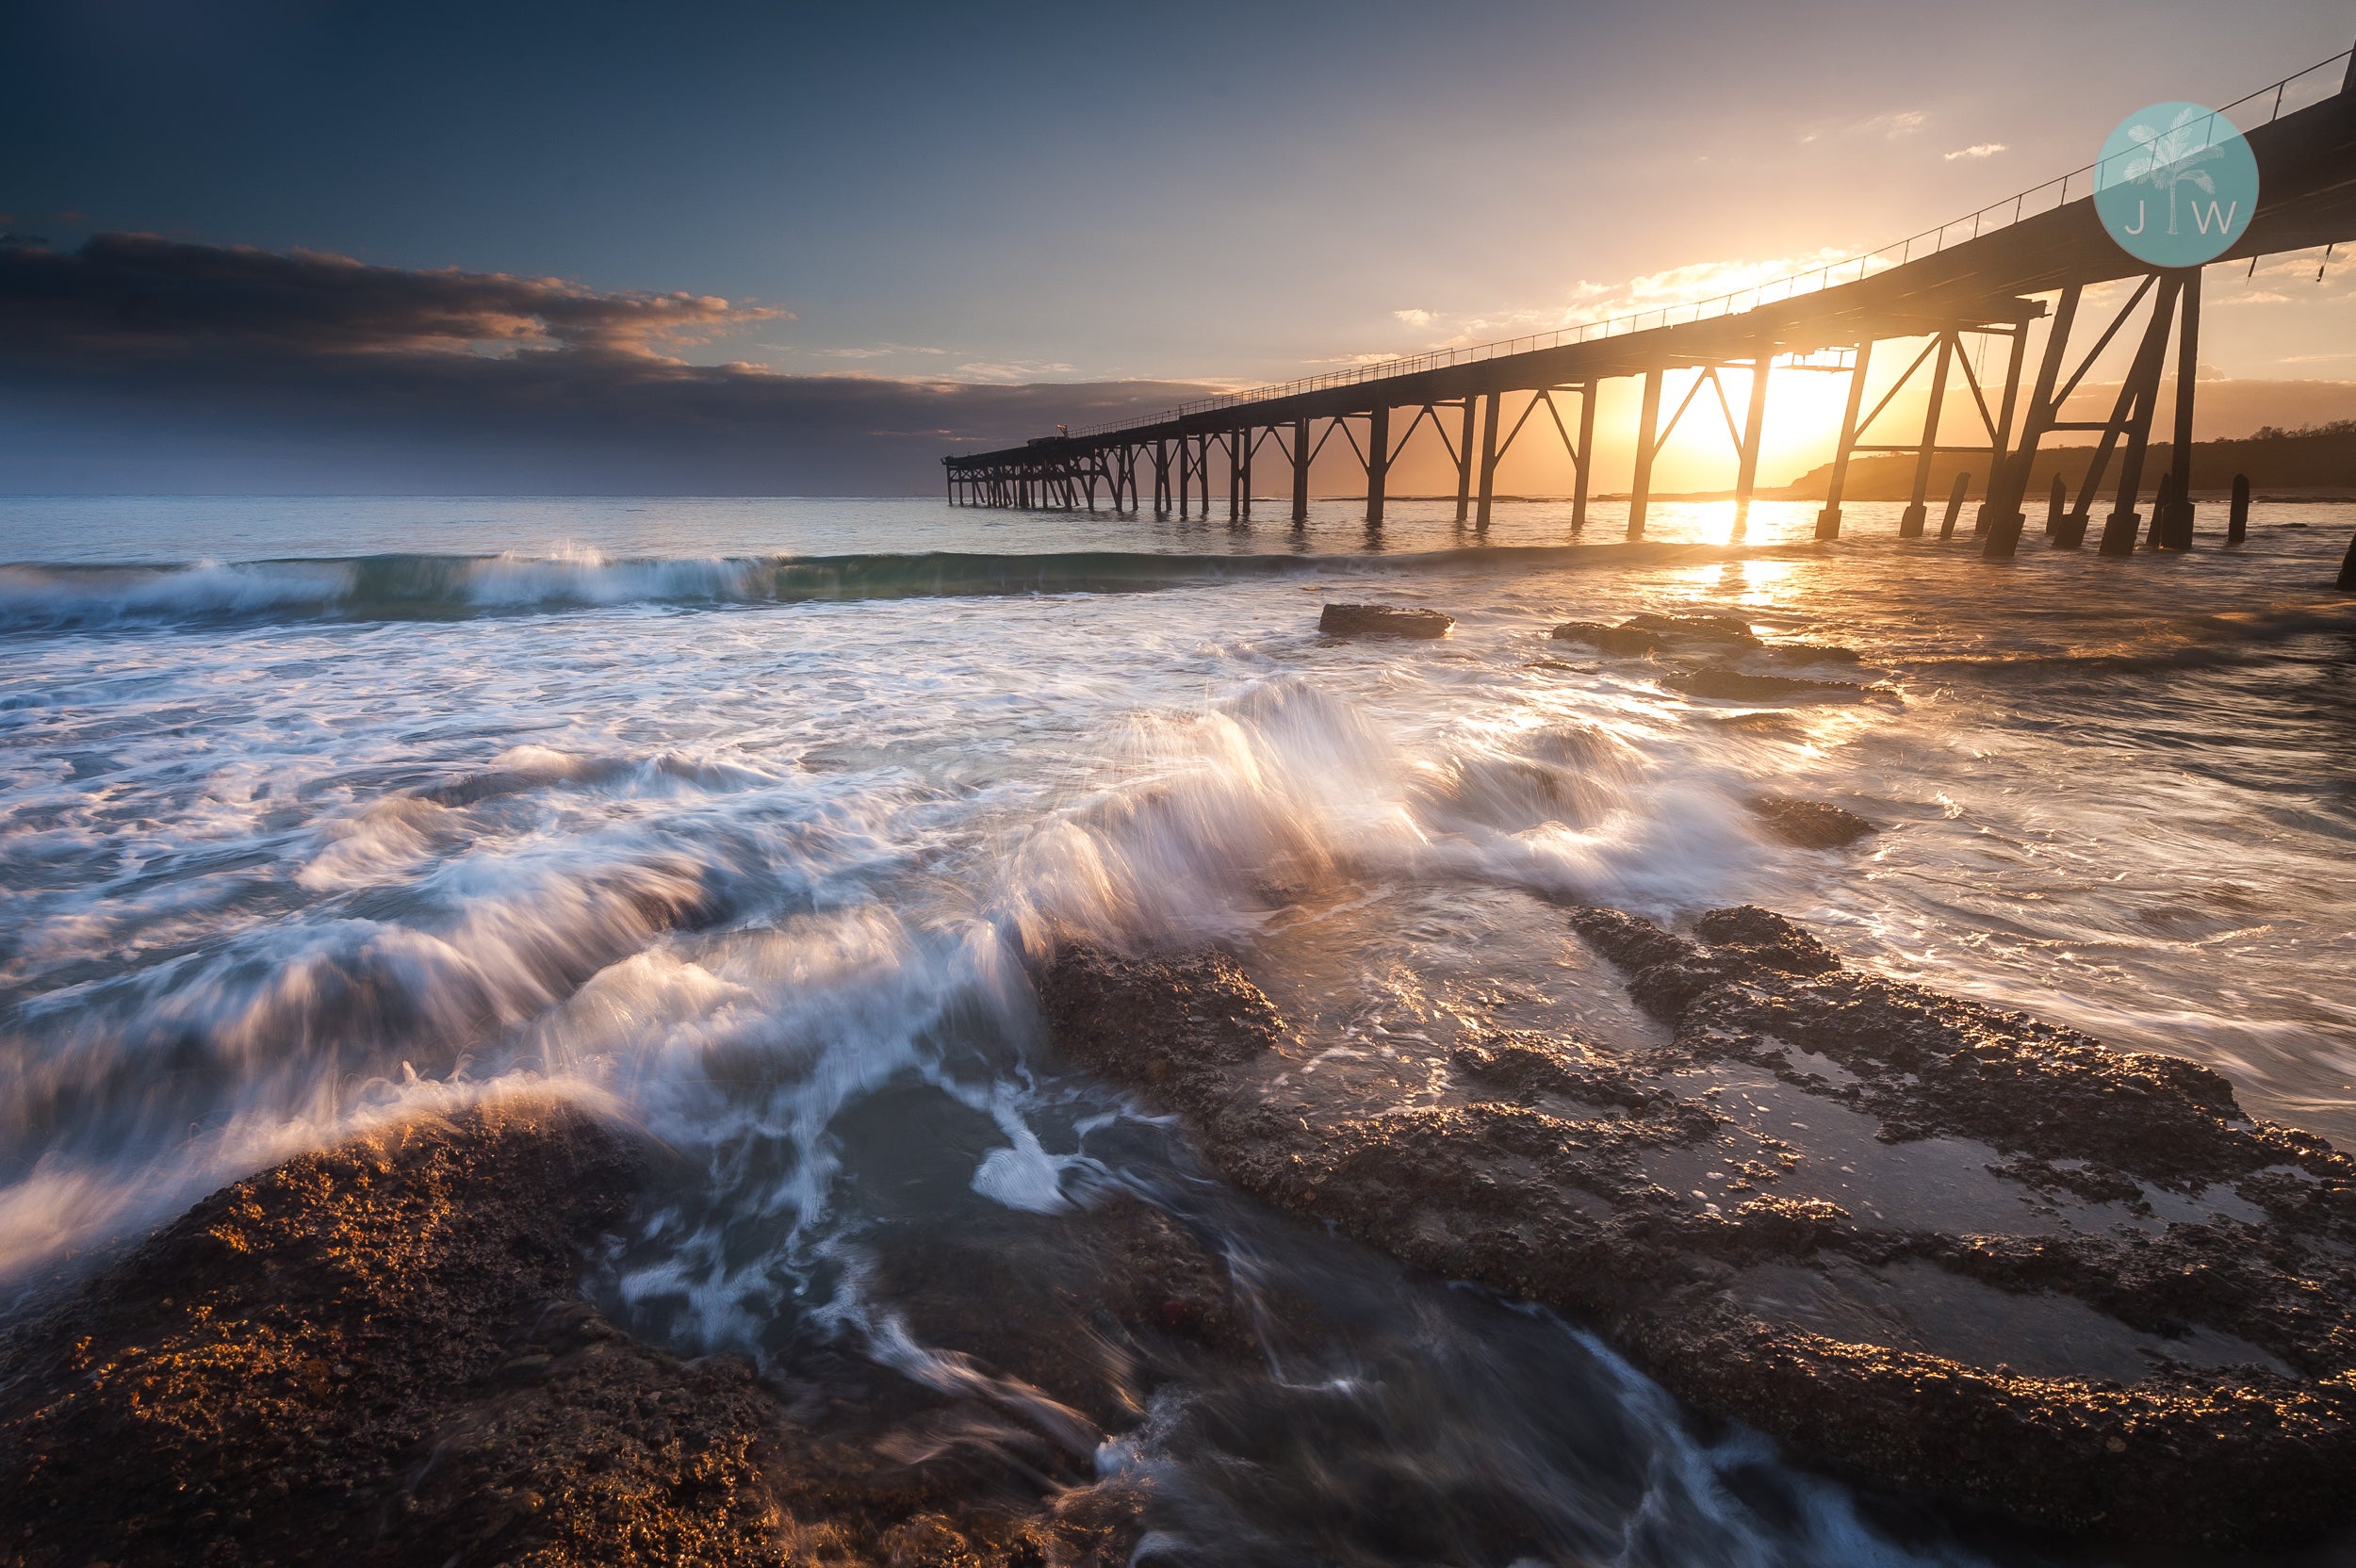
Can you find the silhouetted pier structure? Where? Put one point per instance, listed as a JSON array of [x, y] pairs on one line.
[[1974, 278]]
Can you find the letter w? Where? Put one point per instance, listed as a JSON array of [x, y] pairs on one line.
[[2224, 225]]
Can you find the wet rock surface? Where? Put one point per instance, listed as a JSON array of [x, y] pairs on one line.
[[1810, 824], [377, 1355], [1383, 620], [1713, 657], [1930, 1243], [1632, 642], [1724, 682]]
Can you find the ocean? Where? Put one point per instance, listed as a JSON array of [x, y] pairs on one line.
[[738, 817]]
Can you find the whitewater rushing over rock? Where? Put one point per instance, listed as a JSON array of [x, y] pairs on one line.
[[748, 825]]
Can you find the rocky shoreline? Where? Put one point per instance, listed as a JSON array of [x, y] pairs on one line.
[[1935, 1246], [1931, 1244], [379, 1355]]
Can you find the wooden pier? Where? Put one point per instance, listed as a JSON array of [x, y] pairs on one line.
[[1983, 279]]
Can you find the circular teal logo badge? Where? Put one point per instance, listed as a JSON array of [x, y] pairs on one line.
[[2176, 184]]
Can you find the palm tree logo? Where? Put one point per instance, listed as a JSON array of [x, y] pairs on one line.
[[2203, 163], [2167, 158]]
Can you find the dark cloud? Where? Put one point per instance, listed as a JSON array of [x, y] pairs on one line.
[[139, 364], [138, 291]]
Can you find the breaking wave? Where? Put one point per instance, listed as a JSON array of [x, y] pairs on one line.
[[35, 596]]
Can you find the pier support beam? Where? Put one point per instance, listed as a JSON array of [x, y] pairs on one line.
[[1647, 446], [1956, 493], [1910, 525], [1829, 520], [1378, 462], [2178, 534], [2131, 419], [1301, 470], [1488, 460], [2008, 481], [1754, 420], [1581, 459], [1988, 519], [1464, 464]]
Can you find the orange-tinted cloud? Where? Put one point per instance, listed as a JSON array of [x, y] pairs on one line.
[[122, 290]]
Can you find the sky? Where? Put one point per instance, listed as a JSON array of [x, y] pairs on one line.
[[319, 245]]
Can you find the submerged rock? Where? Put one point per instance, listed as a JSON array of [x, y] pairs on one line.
[[375, 1355], [1721, 680], [1937, 1243], [1810, 824], [1383, 620], [1707, 629], [1628, 642], [1808, 653]]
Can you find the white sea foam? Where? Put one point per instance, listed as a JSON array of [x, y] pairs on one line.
[[39, 596], [583, 575]]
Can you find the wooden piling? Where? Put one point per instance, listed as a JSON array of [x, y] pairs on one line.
[[2237, 521], [1647, 446], [1910, 525], [1829, 520], [2179, 531], [1754, 420], [2162, 534], [1583, 458], [1998, 519], [2138, 393], [1301, 470], [1463, 463], [1490, 407], [1955, 504]]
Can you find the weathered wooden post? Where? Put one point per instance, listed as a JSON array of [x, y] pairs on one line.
[[1954, 503], [1378, 462], [1829, 520], [2008, 481], [1754, 420], [2054, 504], [2179, 533], [1488, 460], [1647, 420], [2348, 570], [2140, 391], [1585, 457], [2163, 532], [2237, 521], [1301, 470], [1464, 464], [1910, 525], [2003, 531]]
